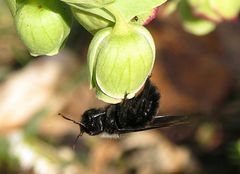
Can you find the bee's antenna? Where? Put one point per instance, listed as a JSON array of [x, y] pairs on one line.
[[79, 123], [76, 140]]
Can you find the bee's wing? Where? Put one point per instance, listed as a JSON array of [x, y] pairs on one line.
[[158, 122], [168, 121]]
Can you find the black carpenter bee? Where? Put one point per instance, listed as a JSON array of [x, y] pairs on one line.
[[131, 115]]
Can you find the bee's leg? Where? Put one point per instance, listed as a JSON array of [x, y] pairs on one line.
[[124, 105], [138, 104], [140, 101], [124, 102], [121, 112]]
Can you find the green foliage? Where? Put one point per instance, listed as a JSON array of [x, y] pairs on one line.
[[8, 163], [194, 24], [200, 17], [44, 26]]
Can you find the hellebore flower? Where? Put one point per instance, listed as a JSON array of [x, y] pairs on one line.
[[91, 22], [120, 59], [43, 25]]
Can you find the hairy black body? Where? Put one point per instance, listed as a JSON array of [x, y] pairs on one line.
[[136, 114]]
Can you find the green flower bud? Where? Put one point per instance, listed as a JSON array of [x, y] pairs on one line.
[[120, 61], [43, 25], [91, 22]]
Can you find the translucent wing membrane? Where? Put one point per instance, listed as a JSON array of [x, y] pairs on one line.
[[158, 122]]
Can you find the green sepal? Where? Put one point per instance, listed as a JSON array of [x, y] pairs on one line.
[[91, 22], [43, 25], [94, 46]]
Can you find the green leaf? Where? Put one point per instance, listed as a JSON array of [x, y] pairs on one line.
[[132, 8]]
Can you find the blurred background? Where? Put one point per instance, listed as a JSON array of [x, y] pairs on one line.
[[197, 76]]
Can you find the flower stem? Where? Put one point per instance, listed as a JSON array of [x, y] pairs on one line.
[[121, 24]]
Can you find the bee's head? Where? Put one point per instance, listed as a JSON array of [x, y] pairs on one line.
[[91, 122]]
